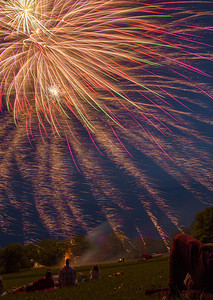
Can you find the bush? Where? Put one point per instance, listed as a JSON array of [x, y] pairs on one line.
[[12, 256]]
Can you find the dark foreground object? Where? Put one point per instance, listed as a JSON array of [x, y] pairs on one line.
[[189, 257], [192, 294], [191, 270]]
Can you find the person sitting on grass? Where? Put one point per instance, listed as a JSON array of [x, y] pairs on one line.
[[67, 275], [95, 272], [190, 257], [43, 283], [80, 277]]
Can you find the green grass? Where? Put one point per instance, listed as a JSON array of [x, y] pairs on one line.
[[138, 276]]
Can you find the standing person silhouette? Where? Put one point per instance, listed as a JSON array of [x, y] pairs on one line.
[[67, 275]]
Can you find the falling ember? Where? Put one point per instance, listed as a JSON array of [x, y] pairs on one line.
[[141, 236]]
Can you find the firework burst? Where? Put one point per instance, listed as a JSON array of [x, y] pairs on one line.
[[65, 57]]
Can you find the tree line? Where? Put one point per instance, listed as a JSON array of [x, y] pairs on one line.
[[50, 252]]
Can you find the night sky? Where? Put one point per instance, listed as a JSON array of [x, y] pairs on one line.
[[149, 176]]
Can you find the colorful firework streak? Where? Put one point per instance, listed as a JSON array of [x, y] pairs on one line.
[[106, 65]]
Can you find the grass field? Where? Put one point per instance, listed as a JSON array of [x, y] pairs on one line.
[[137, 277]]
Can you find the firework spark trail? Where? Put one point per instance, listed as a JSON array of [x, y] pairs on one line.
[[107, 194], [141, 236], [182, 155], [15, 214], [62, 210], [142, 179], [109, 199]]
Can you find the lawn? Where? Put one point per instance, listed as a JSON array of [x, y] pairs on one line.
[[137, 277]]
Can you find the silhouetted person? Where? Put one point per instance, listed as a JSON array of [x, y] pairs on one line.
[[46, 282], [95, 272], [67, 275], [43, 283], [190, 257]]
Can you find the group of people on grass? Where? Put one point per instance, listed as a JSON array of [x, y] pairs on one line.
[[67, 277], [191, 267]]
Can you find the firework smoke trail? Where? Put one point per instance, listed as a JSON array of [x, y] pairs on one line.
[[101, 62]]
